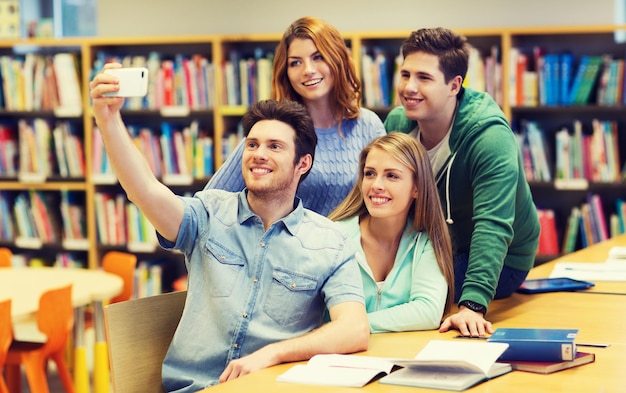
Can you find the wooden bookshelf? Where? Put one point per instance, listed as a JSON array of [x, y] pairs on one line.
[[220, 118]]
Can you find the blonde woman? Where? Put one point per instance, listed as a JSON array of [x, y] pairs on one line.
[[394, 218]]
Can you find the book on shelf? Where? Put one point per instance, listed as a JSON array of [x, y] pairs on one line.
[[8, 151], [440, 364], [598, 221], [571, 230], [536, 344], [552, 367], [566, 66], [537, 145], [585, 79], [548, 240], [66, 71], [620, 212]]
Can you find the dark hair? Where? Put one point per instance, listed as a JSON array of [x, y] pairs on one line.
[[451, 49], [288, 112], [346, 92]]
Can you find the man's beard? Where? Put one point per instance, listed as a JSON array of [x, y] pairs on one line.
[[273, 192]]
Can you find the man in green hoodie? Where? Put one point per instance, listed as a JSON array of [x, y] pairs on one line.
[[485, 197]]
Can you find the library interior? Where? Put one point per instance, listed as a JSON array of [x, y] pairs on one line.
[[557, 75]]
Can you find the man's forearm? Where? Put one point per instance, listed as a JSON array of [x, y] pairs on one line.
[[346, 335]]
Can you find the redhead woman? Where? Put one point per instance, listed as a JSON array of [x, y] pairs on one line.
[[312, 65]]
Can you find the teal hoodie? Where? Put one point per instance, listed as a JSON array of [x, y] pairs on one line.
[[484, 193], [413, 295]]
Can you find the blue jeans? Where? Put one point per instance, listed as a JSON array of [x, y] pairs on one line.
[[510, 279]]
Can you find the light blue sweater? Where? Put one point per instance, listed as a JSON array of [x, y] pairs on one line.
[[334, 169], [413, 296]]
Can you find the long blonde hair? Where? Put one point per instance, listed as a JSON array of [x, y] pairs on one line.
[[426, 211], [346, 92]]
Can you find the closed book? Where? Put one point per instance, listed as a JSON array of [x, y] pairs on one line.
[[552, 367], [538, 345]]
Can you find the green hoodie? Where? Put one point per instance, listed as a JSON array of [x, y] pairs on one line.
[[484, 193]]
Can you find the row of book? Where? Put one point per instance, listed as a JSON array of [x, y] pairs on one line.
[[548, 79], [35, 217], [589, 155], [176, 81], [586, 225], [36, 150], [247, 76], [120, 223], [34, 82], [176, 154]]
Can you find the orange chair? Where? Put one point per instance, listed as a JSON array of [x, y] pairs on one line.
[[5, 257], [6, 336], [123, 264], [55, 319]]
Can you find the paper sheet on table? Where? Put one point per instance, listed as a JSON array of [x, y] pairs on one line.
[[590, 271]]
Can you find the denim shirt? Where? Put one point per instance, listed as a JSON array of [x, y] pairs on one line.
[[249, 287]]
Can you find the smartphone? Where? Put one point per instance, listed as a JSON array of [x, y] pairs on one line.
[[133, 81], [557, 284]]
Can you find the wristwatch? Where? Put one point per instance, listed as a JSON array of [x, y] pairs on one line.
[[476, 307]]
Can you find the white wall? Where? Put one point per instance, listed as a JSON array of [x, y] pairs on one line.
[[120, 18]]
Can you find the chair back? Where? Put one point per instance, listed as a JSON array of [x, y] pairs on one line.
[[5, 257], [6, 336], [139, 333], [122, 264], [55, 318]]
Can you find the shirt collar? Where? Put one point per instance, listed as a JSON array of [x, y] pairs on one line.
[[291, 221]]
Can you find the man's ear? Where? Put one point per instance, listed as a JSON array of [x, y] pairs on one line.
[[305, 164], [455, 85]]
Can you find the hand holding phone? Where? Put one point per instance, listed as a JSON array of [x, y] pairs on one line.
[[133, 81]]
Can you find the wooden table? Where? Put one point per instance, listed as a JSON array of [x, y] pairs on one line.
[[24, 287], [601, 318]]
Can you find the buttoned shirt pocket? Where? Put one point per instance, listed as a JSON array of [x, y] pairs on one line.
[[290, 296], [223, 269]]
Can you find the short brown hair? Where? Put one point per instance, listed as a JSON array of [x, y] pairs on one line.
[[451, 49], [288, 112]]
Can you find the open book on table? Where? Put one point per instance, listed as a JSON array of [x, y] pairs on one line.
[[338, 370], [451, 365]]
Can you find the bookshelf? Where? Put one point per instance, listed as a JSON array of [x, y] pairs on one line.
[[216, 117]]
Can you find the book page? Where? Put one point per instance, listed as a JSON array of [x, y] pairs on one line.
[[352, 361], [338, 370], [462, 356], [590, 271], [432, 379], [329, 375]]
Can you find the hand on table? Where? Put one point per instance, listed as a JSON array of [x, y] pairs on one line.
[[468, 323], [255, 361]]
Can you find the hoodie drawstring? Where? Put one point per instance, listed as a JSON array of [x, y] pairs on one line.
[[448, 169]]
